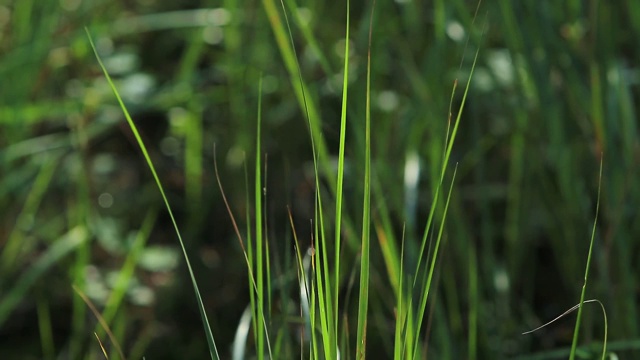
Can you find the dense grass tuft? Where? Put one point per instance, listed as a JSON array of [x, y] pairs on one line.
[[421, 179]]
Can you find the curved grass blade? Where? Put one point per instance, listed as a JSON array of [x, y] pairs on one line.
[[425, 292], [432, 257], [448, 147], [245, 250], [319, 151], [572, 309], [102, 322], [203, 314]]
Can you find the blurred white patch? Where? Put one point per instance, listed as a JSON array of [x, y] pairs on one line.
[[501, 65], [212, 35], [501, 281], [159, 258], [482, 80], [411, 171], [142, 295], [218, 17], [411, 177], [388, 100], [105, 200], [455, 31], [136, 87], [304, 15], [121, 63], [95, 287], [403, 1]]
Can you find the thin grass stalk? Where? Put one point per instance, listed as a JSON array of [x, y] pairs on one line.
[[340, 175], [576, 330], [309, 37], [323, 280], [252, 277], [101, 321], [289, 56], [259, 259], [213, 351], [410, 334], [303, 280], [398, 342], [434, 258], [363, 297], [266, 242], [322, 271], [249, 254]]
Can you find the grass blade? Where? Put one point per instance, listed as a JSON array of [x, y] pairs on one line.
[[340, 175], [363, 298], [213, 351], [576, 330]]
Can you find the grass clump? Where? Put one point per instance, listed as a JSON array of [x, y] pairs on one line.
[[372, 235]]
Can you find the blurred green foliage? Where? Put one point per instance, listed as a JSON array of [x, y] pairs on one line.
[[555, 88]]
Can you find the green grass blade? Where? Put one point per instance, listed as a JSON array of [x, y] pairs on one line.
[[363, 297], [449, 146], [318, 147], [213, 351], [340, 175], [287, 50], [401, 311], [572, 309], [246, 252], [323, 280], [434, 258], [261, 260], [576, 330]]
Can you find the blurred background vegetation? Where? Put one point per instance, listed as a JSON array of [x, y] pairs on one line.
[[556, 87]]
